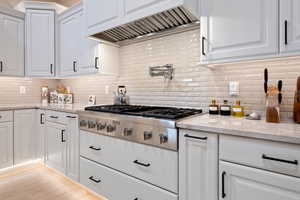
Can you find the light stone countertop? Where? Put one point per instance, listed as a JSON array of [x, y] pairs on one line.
[[69, 108], [286, 131]]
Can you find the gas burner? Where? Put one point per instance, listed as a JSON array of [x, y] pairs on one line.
[[146, 111]]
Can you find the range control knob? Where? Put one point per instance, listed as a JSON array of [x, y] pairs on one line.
[[147, 135], [101, 126], [127, 132], [163, 138], [83, 123], [91, 124], [110, 128]]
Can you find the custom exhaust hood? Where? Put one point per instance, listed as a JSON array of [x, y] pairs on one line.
[[168, 22]]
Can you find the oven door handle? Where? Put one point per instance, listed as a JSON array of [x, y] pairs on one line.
[[142, 164]]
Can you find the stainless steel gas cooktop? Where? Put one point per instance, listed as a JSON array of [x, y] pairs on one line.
[[151, 125]]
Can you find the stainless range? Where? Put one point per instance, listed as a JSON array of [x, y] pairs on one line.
[[155, 126]]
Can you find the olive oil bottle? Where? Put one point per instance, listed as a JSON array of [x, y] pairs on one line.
[[238, 110]]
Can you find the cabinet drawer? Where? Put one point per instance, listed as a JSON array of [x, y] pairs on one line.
[[58, 117], [118, 186], [6, 116], [154, 165], [273, 156]]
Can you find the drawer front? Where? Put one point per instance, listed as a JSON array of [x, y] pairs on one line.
[[278, 157], [58, 117], [118, 186], [154, 165], [6, 116]]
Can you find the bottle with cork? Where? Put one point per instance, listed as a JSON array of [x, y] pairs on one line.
[[214, 108]]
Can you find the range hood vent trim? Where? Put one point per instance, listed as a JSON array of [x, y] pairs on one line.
[[160, 22]]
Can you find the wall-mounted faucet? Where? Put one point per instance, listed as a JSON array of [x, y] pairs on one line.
[[167, 71]]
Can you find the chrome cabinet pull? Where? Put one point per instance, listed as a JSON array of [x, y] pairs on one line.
[[51, 68], [293, 162]]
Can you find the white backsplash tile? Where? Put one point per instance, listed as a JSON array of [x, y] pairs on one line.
[[193, 85]]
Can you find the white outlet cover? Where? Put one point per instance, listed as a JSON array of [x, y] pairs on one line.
[[22, 89], [234, 88]]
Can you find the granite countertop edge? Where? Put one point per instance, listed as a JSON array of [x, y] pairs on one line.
[[292, 134]]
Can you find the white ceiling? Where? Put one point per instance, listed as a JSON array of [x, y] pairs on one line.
[[13, 3]]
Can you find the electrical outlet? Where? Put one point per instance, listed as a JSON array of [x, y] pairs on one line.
[[106, 89], [234, 88], [22, 89]]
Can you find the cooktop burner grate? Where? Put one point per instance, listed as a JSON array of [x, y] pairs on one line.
[[146, 111]]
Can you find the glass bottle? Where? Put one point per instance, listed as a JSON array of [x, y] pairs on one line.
[[238, 110], [213, 108], [225, 109]]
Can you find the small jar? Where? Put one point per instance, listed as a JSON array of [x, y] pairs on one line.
[[213, 108], [225, 109]]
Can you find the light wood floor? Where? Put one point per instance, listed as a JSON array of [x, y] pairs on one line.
[[37, 182]]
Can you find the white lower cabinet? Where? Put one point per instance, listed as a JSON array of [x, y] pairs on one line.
[[40, 133], [62, 143], [56, 146], [118, 186], [6, 140], [198, 165], [238, 182], [154, 165], [25, 136]]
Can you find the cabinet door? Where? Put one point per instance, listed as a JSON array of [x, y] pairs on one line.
[[289, 26], [239, 182], [13, 46], [236, 30], [40, 43], [6, 144], [73, 147], [88, 54], [25, 140], [56, 140], [108, 59], [198, 166], [100, 16], [40, 134], [69, 43]]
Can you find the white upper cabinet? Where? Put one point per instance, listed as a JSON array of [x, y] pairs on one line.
[[69, 44], [100, 14], [289, 26], [104, 16], [40, 43], [235, 29], [12, 46], [79, 55]]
